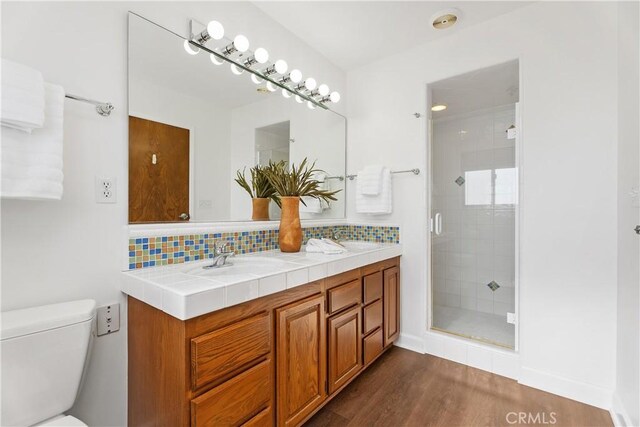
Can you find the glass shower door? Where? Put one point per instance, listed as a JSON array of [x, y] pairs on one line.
[[473, 213]]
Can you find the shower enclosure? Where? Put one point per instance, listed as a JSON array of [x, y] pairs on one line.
[[474, 199]]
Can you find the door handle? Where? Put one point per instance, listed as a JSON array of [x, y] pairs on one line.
[[637, 229], [184, 216], [437, 224]]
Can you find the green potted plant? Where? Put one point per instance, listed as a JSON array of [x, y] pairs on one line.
[[290, 185], [260, 189]]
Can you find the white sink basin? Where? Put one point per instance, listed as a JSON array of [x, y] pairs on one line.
[[239, 266], [359, 246]]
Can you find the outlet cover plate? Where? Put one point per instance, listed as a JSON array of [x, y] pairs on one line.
[[105, 190], [108, 319]]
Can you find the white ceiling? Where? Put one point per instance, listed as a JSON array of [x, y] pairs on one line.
[[353, 33], [489, 87]]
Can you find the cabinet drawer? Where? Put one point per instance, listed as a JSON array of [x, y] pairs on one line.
[[372, 317], [344, 296], [226, 350], [372, 346], [235, 401], [372, 287], [263, 419]]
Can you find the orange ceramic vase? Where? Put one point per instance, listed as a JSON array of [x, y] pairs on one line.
[[260, 209], [290, 236]]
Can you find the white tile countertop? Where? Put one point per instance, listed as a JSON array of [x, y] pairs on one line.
[[187, 290]]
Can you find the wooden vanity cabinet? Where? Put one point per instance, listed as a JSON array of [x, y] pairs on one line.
[[271, 361]]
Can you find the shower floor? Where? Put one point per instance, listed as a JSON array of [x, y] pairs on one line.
[[491, 328]]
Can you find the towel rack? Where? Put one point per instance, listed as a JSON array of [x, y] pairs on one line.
[[415, 171], [102, 108]]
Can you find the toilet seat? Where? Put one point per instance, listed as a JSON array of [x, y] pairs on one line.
[[62, 421]]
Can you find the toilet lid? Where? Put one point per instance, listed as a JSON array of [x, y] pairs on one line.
[[67, 421]]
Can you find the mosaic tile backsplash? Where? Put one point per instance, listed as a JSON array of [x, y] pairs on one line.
[[164, 250]]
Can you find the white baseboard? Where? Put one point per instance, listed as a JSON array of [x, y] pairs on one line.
[[410, 342], [488, 358], [619, 414], [565, 387]]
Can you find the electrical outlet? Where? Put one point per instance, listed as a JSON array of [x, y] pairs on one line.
[[511, 318], [105, 190], [108, 319]]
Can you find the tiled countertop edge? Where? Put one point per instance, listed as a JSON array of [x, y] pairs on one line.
[[221, 295]]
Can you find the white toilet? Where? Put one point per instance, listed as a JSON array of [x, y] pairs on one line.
[[44, 353]]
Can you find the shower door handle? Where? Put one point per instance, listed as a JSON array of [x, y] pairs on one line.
[[437, 226]]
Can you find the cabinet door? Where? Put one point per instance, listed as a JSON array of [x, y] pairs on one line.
[[345, 349], [391, 299], [301, 359]]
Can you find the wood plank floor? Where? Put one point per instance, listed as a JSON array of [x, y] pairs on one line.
[[404, 388]]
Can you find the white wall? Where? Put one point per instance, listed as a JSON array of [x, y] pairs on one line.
[[210, 132], [57, 251], [628, 357], [567, 55]]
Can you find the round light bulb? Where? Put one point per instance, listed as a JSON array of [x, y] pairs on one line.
[[310, 83], [236, 70], [311, 105], [286, 93], [281, 66], [271, 87], [191, 50], [323, 89], [295, 75], [334, 97], [215, 30], [299, 100], [261, 55], [241, 43], [215, 59], [257, 80]]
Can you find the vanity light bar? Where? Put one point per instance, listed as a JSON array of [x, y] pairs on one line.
[[302, 90]]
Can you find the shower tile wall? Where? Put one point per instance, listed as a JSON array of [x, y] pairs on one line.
[[477, 244]]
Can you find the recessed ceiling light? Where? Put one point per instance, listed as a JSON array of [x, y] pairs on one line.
[[445, 19], [438, 107]]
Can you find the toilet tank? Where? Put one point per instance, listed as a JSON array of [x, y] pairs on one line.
[[44, 350]]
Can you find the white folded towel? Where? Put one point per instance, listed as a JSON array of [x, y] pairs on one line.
[[370, 180], [23, 97], [325, 246], [313, 205], [376, 205], [32, 162]]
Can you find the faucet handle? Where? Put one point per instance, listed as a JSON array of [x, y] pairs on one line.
[[220, 246]]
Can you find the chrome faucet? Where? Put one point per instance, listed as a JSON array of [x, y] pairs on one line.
[[221, 252], [335, 235]]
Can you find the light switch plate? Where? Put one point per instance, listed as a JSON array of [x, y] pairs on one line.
[[108, 319], [511, 318]]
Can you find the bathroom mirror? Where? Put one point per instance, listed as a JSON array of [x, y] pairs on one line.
[[193, 124]]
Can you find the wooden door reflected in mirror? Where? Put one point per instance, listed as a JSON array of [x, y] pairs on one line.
[[158, 172]]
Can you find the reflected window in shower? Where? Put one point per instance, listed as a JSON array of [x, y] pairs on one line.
[[477, 187], [474, 196]]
